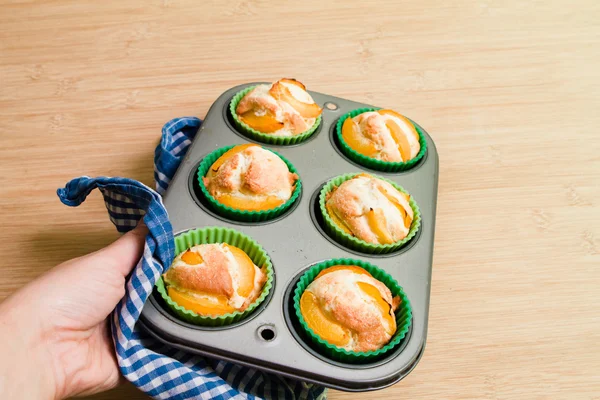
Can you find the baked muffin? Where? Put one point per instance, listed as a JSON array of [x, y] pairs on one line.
[[250, 178], [348, 308], [370, 209], [214, 279], [282, 109], [383, 135]]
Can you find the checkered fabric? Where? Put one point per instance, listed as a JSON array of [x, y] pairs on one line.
[[161, 371]]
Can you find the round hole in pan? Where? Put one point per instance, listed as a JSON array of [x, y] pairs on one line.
[[267, 332], [330, 106], [336, 145], [229, 122], [317, 217], [201, 201], [300, 336]]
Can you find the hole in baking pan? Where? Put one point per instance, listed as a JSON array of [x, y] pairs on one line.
[[204, 204], [318, 220], [330, 106], [227, 117], [267, 332], [301, 337], [336, 145], [160, 305]]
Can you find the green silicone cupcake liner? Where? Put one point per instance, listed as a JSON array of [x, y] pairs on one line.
[[265, 137], [373, 163], [219, 235], [403, 313], [357, 244], [242, 215]]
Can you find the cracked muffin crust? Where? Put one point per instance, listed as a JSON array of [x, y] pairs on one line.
[[350, 309], [382, 135], [250, 178], [370, 209], [214, 279], [282, 109]]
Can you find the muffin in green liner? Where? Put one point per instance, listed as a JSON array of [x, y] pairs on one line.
[[265, 137], [373, 163], [243, 215], [403, 313], [219, 235], [353, 242]]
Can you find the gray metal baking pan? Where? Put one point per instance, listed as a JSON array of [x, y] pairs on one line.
[[269, 339]]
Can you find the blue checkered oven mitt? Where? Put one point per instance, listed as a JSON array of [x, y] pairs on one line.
[[161, 371]]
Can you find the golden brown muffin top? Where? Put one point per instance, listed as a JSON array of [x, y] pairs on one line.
[[283, 109], [370, 209], [349, 308], [248, 177]]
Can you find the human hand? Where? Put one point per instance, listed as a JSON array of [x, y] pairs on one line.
[[54, 333]]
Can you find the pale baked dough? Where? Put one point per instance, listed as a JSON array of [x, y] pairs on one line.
[[218, 274], [364, 205], [343, 301], [261, 101], [253, 176], [374, 131]]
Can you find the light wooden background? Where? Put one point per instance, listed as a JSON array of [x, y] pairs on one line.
[[509, 90]]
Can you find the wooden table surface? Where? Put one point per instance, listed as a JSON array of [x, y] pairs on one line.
[[509, 93]]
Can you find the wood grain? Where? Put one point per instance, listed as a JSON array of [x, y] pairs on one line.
[[510, 92]]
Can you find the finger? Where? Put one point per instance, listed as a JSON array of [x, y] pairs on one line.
[[125, 252]]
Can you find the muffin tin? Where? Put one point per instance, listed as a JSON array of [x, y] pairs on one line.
[[271, 338]]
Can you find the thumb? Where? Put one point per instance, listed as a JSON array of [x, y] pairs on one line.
[[124, 253]]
